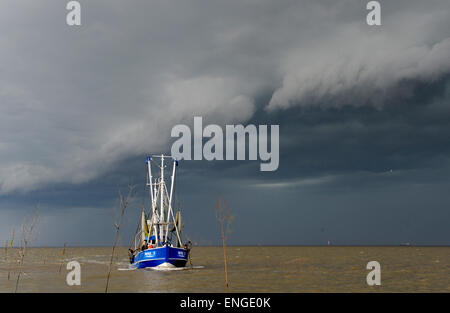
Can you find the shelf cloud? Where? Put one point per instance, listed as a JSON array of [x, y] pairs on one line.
[[76, 101]]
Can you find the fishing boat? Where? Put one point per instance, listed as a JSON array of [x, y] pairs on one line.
[[158, 242]]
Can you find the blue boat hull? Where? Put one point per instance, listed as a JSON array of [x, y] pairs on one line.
[[161, 257]]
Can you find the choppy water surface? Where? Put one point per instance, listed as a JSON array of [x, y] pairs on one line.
[[251, 269]]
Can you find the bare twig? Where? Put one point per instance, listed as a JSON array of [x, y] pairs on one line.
[[62, 257], [6, 252], [27, 230], [123, 203], [6, 256], [225, 218], [44, 257]]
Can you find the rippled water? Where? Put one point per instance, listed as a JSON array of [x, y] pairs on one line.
[[251, 269]]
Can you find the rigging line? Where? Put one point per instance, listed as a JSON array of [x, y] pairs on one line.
[[143, 207], [156, 164], [170, 211], [134, 237], [176, 188], [176, 195], [145, 187]]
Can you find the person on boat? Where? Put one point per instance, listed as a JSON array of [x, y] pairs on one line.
[[131, 255], [144, 245], [151, 243]]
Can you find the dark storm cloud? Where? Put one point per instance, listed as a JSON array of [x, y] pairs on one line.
[[408, 133], [76, 101], [363, 111]]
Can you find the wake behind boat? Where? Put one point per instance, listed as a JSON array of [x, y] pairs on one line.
[[158, 242]]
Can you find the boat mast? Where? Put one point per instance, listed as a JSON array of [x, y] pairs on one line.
[[169, 213], [161, 191], [150, 181], [171, 186], [153, 195]]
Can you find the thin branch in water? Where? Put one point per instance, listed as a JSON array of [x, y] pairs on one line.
[[123, 203], [6, 256], [27, 230], [44, 257], [225, 218], [11, 244], [62, 257]]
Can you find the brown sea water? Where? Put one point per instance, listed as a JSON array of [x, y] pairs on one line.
[[251, 269]]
